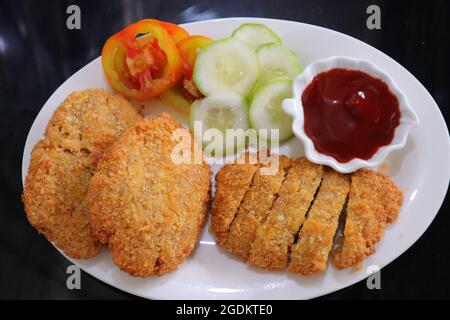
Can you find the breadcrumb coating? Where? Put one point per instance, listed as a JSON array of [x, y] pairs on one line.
[[259, 218], [147, 209], [232, 183], [310, 254], [275, 236], [62, 164], [373, 201], [254, 208]]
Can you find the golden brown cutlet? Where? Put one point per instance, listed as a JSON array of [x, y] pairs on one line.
[[232, 183], [275, 236], [254, 208], [310, 254], [391, 198], [373, 200], [148, 209], [61, 166], [267, 222]]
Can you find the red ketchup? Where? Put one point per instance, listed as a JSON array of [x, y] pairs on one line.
[[349, 114]]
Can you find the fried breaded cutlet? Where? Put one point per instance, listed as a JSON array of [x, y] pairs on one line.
[[147, 208], [289, 220], [232, 183], [310, 254], [270, 250], [254, 208], [61, 166], [374, 200]]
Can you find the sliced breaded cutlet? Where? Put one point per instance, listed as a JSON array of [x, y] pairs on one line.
[[274, 237], [290, 219], [232, 183], [310, 254], [373, 201], [62, 164], [255, 206], [146, 207]]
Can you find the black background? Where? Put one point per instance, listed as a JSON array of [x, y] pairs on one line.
[[38, 52]]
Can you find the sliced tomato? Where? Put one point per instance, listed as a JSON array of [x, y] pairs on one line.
[[175, 31], [188, 89], [141, 61], [189, 48]]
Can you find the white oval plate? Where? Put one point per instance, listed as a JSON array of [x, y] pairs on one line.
[[421, 169]]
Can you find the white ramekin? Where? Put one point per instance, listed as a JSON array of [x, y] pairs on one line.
[[294, 107]]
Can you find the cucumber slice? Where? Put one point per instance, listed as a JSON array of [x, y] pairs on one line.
[[266, 111], [175, 99], [255, 35], [277, 62], [226, 65], [210, 119]]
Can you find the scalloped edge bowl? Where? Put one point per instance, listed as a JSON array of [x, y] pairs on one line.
[[293, 106]]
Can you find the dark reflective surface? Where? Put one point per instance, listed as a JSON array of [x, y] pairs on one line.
[[38, 52]]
